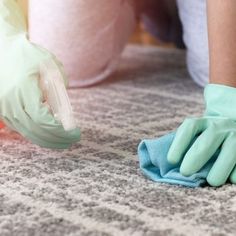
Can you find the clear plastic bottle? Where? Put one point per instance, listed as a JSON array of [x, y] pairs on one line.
[[55, 94]]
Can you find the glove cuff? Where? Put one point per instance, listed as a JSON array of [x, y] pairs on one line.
[[220, 101], [12, 19]]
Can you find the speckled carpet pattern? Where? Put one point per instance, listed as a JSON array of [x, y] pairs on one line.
[[96, 188]]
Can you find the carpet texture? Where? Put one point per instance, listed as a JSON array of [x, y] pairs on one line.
[[96, 187]]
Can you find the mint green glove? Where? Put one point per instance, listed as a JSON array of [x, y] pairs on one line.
[[22, 106], [216, 130]]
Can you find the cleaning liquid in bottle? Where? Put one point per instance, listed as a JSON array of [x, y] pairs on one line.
[[55, 94], [1, 125]]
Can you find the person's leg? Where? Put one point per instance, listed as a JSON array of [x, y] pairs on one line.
[[222, 41], [87, 36], [194, 20]]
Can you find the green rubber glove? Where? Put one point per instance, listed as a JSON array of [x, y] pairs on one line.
[[22, 106], [215, 130]]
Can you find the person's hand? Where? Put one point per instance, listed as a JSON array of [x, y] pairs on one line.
[[198, 139], [22, 106]]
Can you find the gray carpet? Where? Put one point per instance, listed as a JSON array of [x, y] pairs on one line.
[[96, 187]]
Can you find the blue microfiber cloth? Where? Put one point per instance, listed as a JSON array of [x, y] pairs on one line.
[[154, 164]]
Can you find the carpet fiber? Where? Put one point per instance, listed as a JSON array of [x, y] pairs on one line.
[[96, 187]]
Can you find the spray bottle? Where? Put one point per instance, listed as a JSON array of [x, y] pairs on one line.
[[55, 94]]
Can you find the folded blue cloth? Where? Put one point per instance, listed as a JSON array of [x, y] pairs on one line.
[[154, 164]]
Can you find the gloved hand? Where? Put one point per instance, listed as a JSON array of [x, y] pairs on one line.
[[215, 131], [22, 106]]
